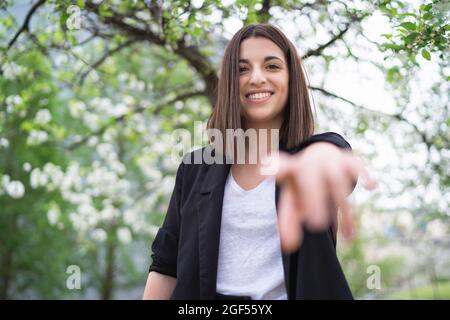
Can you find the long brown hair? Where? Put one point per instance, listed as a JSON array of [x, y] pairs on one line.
[[298, 123]]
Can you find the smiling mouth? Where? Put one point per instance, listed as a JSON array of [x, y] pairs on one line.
[[259, 97]]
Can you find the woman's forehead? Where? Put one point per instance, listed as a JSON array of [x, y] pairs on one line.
[[259, 49]]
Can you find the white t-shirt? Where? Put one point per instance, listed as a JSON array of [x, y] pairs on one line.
[[250, 262]]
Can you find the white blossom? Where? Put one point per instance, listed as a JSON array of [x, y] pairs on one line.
[[12, 102], [119, 110], [4, 142], [159, 147], [37, 137], [38, 178], [15, 189], [11, 70], [109, 213], [72, 177], [78, 222], [405, 220], [130, 216], [110, 135], [106, 151], [92, 141], [183, 118], [179, 105], [152, 230], [118, 167], [43, 116], [60, 59], [26, 167], [53, 216], [122, 77], [143, 15], [137, 85], [77, 108], [124, 235], [101, 105], [91, 120], [55, 173], [436, 229], [5, 180], [373, 223], [129, 100], [99, 235]]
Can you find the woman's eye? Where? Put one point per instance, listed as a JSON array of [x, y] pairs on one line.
[[273, 66], [242, 69]]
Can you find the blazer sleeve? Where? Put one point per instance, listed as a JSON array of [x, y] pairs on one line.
[[165, 245], [330, 137]]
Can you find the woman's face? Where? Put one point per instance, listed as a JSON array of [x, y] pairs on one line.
[[263, 83]]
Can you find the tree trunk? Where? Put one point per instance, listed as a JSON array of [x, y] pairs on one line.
[[6, 275], [108, 281]]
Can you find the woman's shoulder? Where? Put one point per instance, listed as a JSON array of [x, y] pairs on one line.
[[329, 136], [201, 156], [193, 162]]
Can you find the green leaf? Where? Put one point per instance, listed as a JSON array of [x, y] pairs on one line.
[[426, 54], [387, 36], [408, 25], [428, 16], [412, 37], [407, 15], [426, 7]]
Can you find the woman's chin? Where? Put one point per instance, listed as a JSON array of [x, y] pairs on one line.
[[259, 120]]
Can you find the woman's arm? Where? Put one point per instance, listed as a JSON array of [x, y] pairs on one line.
[[159, 286], [161, 280], [309, 178]]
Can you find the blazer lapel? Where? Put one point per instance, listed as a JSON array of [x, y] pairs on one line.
[[209, 213]]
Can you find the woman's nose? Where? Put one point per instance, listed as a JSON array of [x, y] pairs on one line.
[[257, 77]]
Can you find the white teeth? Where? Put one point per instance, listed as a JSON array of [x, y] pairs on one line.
[[259, 96]]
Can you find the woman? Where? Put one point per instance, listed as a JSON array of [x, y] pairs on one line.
[[232, 232]]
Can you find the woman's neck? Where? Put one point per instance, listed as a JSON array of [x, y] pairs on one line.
[[267, 142]]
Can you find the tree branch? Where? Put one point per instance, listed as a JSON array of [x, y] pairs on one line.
[[263, 13], [191, 53], [201, 64], [319, 49], [117, 21], [397, 116], [26, 23], [102, 59], [333, 95], [121, 118]]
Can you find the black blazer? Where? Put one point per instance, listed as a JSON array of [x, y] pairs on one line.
[[187, 244]]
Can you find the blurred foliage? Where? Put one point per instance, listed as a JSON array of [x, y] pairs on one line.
[[91, 91], [423, 31], [438, 290]]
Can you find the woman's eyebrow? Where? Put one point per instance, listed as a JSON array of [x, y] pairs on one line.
[[265, 59]]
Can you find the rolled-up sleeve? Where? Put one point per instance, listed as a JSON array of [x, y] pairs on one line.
[[165, 246]]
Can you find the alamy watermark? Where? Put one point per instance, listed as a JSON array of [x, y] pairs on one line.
[[73, 281], [374, 280], [239, 146]]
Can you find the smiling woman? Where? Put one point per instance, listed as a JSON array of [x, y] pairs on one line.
[[231, 231], [263, 81]]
